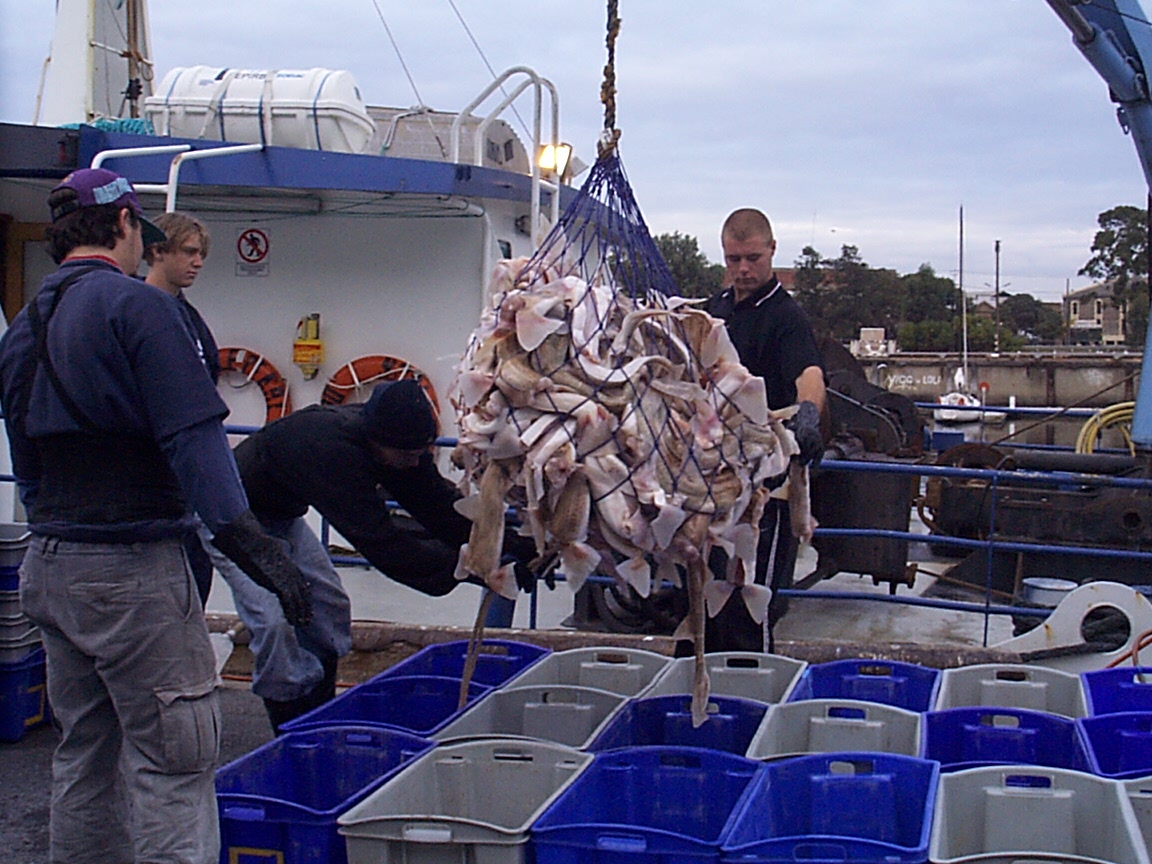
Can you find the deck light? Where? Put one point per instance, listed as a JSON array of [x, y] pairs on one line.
[[554, 158]]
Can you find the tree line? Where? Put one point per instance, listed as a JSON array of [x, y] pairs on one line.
[[922, 309]]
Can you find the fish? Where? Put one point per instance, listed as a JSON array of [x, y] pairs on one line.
[[480, 556]]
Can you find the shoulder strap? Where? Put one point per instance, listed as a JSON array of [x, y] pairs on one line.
[[39, 328]]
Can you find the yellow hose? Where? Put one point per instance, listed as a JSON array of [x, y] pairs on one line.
[[1118, 416]]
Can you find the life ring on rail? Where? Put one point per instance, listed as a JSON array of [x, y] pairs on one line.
[[373, 369], [257, 370]]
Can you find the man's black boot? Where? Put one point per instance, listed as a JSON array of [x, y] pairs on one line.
[[280, 712]]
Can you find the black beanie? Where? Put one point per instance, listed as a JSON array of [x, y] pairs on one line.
[[399, 415]]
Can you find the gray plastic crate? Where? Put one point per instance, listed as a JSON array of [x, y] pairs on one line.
[[835, 725], [767, 678], [625, 671], [14, 537], [13, 624], [1140, 797], [473, 801], [19, 637], [1010, 814], [571, 716], [15, 652], [9, 603], [1012, 685]]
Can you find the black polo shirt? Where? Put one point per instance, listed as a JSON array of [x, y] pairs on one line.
[[772, 336]]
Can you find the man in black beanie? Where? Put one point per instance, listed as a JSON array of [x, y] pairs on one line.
[[347, 461]]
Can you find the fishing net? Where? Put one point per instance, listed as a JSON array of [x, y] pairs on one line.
[[613, 416]]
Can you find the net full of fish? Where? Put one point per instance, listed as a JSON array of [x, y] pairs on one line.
[[627, 437]]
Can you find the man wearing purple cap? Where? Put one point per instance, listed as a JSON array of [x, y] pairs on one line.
[[347, 461], [117, 441]]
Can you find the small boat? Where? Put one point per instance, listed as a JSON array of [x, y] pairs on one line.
[[965, 408]]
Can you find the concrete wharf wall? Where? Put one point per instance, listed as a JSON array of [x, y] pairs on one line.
[[1091, 380]]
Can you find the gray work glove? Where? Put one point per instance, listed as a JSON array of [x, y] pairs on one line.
[[261, 558], [805, 425]]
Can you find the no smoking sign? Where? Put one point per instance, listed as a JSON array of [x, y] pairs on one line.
[[252, 248]]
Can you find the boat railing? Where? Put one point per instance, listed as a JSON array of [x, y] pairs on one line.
[[183, 153], [1018, 410], [538, 85], [986, 608], [992, 476]]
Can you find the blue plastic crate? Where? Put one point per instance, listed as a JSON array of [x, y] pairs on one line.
[[497, 663], [905, 685], [23, 696], [280, 802], [1118, 745], [1119, 690], [858, 807], [974, 737], [10, 578], [648, 805], [419, 704], [667, 721]]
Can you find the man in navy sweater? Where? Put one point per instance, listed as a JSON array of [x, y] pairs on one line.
[[117, 443]]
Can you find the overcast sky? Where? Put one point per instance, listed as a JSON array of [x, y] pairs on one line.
[[848, 122]]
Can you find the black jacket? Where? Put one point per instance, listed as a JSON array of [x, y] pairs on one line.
[[319, 457]]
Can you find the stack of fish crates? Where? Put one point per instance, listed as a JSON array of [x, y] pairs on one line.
[[1018, 780], [590, 756], [842, 777], [23, 692], [420, 694], [1117, 734], [660, 789], [282, 801]]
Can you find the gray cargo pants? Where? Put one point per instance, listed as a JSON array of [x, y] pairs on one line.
[[132, 681]]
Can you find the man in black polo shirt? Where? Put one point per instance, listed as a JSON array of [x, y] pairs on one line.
[[775, 341]]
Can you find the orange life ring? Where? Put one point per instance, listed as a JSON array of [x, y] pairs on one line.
[[372, 369], [264, 375]]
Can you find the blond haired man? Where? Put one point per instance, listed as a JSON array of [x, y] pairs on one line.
[[173, 265]]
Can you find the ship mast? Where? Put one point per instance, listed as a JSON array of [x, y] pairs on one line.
[[963, 307], [99, 63]]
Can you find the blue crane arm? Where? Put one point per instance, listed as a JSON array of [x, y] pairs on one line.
[[1115, 37]]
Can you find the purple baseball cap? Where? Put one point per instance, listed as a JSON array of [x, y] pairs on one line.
[[95, 186]]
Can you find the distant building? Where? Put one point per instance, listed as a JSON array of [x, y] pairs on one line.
[[872, 343], [983, 309], [787, 277], [1093, 316]]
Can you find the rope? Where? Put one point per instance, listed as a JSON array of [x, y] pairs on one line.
[[607, 142], [399, 56]]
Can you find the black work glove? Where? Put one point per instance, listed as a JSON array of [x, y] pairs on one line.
[[261, 558], [520, 551], [525, 578], [805, 425]]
